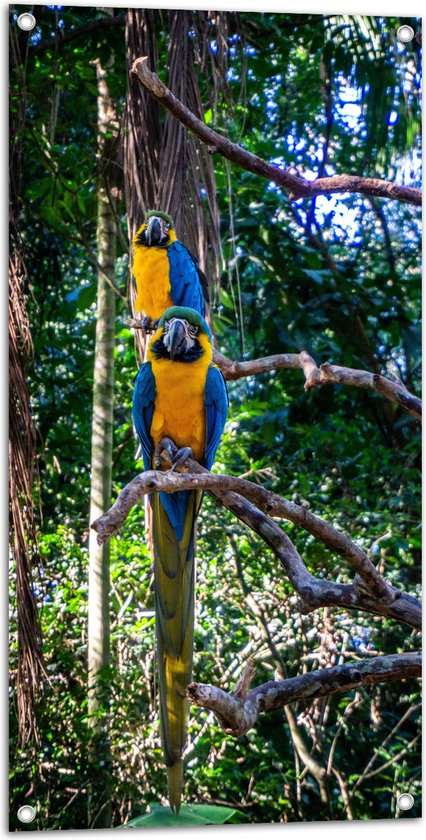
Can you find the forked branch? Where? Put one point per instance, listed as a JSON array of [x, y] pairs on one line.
[[326, 374], [237, 714], [251, 504]]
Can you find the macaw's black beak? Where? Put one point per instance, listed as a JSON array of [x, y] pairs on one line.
[[153, 231], [177, 339]]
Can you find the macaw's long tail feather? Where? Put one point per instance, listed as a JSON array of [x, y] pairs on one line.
[[174, 518], [175, 784]]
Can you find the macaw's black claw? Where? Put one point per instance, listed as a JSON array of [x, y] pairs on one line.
[[148, 325], [181, 456], [175, 456], [165, 445]]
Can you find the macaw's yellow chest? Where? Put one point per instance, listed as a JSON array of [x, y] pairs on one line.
[[151, 269], [179, 409]]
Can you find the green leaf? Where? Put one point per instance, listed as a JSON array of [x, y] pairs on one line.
[[188, 815], [226, 299]]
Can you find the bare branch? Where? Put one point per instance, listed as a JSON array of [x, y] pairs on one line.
[[237, 716], [369, 592], [229, 490], [327, 374], [379, 750], [393, 390], [237, 370], [299, 187]]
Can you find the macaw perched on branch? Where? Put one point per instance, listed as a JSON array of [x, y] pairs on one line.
[[166, 272], [179, 394]]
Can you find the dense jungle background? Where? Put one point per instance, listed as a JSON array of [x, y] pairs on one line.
[[337, 275]]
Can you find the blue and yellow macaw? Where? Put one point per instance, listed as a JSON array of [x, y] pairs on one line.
[[166, 272], [179, 394]]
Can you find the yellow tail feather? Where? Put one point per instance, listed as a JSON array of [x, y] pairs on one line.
[[175, 784], [174, 571]]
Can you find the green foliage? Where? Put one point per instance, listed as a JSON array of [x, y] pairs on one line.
[[337, 276]]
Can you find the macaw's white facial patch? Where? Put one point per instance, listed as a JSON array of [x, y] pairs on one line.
[[179, 336], [157, 231]]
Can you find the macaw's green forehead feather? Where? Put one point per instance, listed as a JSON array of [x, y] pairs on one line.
[[161, 215], [189, 315]]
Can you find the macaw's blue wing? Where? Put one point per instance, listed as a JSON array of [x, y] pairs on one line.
[[186, 278], [216, 403], [202, 277], [143, 410]]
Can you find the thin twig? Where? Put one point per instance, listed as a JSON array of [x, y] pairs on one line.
[[366, 773]]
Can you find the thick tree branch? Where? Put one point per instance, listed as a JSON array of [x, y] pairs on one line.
[[393, 390], [237, 714], [298, 187], [327, 374], [369, 592], [237, 370]]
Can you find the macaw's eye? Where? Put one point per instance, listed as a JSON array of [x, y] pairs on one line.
[[193, 330], [167, 325]]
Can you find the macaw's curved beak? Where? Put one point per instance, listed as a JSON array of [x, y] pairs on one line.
[[154, 231], [177, 338]]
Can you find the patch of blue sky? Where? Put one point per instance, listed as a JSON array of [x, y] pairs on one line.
[[348, 106], [271, 107], [273, 187], [294, 144], [409, 169], [393, 117], [213, 47], [35, 37], [399, 361], [233, 76], [347, 93], [343, 217], [309, 175], [349, 114]]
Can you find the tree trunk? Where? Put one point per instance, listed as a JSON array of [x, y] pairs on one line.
[[101, 465]]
